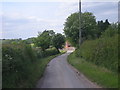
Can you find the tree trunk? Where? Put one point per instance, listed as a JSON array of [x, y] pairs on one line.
[[58, 50]]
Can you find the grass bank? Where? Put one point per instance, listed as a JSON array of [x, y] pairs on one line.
[[101, 76]]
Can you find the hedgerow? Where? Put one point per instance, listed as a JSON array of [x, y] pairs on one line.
[[18, 63], [102, 52]]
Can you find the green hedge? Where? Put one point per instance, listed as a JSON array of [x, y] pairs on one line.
[[18, 61], [48, 52], [102, 52]]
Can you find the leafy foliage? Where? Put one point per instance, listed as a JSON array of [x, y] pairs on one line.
[[44, 39], [58, 40], [48, 52], [88, 27], [28, 41], [16, 60], [11, 41], [102, 26], [18, 63], [48, 39], [110, 31], [102, 52]]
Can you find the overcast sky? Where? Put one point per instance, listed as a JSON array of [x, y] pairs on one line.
[[25, 19]]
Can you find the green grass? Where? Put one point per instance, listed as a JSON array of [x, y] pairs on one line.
[[32, 44], [101, 76], [37, 70], [62, 51]]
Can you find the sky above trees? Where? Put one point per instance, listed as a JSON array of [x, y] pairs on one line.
[[25, 19]]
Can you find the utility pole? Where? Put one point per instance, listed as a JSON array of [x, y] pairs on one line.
[[80, 30], [119, 13]]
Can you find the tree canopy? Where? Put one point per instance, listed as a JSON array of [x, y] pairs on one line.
[[72, 26], [48, 38], [102, 26], [44, 39], [58, 40], [90, 28]]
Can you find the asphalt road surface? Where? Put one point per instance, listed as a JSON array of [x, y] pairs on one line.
[[59, 74]]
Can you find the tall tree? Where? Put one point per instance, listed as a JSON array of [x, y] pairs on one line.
[[102, 26], [58, 41], [106, 24], [44, 39], [71, 27]]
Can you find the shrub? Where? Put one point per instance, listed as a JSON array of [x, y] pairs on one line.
[[16, 60], [19, 61], [110, 32], [47, 52]]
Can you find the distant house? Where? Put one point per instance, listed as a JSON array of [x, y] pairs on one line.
[[68, 46]]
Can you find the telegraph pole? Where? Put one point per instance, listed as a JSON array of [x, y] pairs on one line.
[[119, 13], [80, 30]]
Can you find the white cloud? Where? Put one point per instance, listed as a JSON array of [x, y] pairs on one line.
[[27, 25], [22, 26], [66, 8], [87, 5], [102, 10], [110, 12]]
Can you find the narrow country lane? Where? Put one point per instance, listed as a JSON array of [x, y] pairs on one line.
[[59, 74]]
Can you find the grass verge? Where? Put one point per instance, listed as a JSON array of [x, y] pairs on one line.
[[37, 70], [101, 76]]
